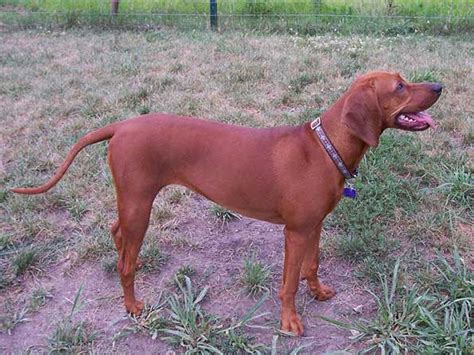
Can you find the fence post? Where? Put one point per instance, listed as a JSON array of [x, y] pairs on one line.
[[115, 6], [213, 11]]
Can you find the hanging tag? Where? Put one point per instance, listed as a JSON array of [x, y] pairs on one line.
[[350, 192]]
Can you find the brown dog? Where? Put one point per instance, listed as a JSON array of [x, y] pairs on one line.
[[281, 175]]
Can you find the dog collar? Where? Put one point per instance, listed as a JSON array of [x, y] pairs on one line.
[[331, 150]]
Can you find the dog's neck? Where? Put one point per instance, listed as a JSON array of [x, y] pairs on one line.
[[350, 147]]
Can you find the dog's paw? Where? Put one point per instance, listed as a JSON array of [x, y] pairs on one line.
[[323, 292], [134, 308], [290, 322]]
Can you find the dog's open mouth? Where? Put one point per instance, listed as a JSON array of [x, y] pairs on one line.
[[418, 121]]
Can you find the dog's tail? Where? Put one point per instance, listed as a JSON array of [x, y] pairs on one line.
[[93, 137]]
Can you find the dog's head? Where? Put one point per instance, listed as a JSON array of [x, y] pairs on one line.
[[381, 100]]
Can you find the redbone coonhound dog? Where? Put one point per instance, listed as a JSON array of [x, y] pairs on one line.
[[282, 175]]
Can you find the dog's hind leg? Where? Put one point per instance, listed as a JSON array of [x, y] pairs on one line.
[[117, 237], [130, 229]]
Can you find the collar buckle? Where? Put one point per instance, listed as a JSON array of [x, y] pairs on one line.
[[316, 123]]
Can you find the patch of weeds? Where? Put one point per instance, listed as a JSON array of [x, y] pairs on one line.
[[298, 84], [5, 242], [184, 271], [223, 215], [99, 244], [130, 67], [109, 264], [150, 321], [456, 183], [12, 318], [455, 280], [350, 67], [5, 280], [255, 276], [144, 109], [176, 68], [249, 73], [94, 107], [182, 322], [24, 260], [194, 330], [136, 99], [14, 90], [38, 299], [3, 196], [411, 319], [162, 212], [371, 267], [151, 256], [70, 336], [419, 76], [366, 245], [176, 196]]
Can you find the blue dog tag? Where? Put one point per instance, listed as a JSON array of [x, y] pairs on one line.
[[350, 192]]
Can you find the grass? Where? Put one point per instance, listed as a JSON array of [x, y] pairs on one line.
[[12, 318], [70, 336], [418, 319], [223, 215], [303, 16], [181, 321], [255, 276], [23, 261], [414, 191]]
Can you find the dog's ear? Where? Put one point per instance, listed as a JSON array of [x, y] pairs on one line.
[[361, 113]]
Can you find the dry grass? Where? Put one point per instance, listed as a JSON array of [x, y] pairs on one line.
[[54, 87]]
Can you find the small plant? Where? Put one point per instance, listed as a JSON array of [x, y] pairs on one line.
[[109, 264], [69, 336], [457, 184], [223, 215], [12, 318], [151, 256], [255, 276], [38, 299], [23, 261], [455, 281], [184, 271]]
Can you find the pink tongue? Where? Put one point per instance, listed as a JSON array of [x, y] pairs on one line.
[[423, 117]]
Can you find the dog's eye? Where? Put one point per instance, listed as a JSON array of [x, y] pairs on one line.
[[400, 86]]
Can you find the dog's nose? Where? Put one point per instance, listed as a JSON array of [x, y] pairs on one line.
[[437, 88]]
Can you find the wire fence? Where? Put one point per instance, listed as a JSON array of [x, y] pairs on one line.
[[305, 17]]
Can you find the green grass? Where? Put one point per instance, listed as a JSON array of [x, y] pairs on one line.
[[223, 215], [12, 318], [70, 336], [23, 261], [181, 321], [304, 16], [393, 192], [255, 276], [434, 319], [151, 256]]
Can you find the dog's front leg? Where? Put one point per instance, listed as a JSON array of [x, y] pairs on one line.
[[296, 243], [309, 270]]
